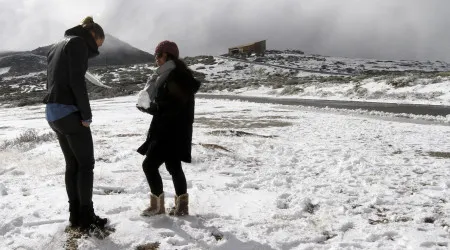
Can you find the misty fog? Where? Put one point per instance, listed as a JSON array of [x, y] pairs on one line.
[[401, 29]]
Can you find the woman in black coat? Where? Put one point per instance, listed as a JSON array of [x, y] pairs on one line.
[[68, 113], [170, 97]]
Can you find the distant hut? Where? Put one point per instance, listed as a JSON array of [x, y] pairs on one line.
[[258, 48]]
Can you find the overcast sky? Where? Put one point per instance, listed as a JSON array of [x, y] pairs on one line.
[[383, 29]]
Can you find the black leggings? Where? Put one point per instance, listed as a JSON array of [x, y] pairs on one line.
[[151, 166], [78, 149]]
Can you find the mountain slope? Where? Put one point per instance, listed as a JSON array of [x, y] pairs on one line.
[[113, 52], [23, 63]]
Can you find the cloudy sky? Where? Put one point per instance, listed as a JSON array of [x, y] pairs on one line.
[[383, 29]]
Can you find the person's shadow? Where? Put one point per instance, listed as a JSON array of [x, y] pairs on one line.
[[197, 223]]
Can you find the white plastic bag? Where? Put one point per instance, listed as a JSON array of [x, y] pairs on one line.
[[94, 80]]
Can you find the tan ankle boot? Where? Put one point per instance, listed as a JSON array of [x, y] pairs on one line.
[[156, 206], [181, 206]]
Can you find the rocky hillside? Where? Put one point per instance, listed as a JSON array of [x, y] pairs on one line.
[[22, 64], [296, 59], [278, 73], [294, 74]]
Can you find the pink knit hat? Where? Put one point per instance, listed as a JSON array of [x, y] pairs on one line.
[[167, 47]]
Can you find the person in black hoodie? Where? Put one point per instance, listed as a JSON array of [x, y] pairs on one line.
[[68, 113], [170, 97]]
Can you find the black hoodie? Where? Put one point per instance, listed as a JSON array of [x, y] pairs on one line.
[[67, 64]]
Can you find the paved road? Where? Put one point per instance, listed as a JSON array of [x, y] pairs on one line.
[[417, 109]]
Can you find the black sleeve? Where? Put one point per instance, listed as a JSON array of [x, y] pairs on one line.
[[77, 53]]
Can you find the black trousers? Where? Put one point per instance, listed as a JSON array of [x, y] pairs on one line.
[[78, 149], [151, 166]]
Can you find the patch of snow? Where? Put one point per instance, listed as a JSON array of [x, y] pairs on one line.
[[33, 74], [4, 70]]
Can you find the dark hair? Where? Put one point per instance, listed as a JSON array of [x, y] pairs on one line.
[[179, 64], [184, 75], [89, 24]]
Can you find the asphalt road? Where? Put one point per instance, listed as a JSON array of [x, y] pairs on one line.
[[416, 109]]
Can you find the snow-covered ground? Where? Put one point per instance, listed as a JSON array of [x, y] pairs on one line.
[[246, 78], [341, 64], [369, 91], [33, 74], [303, 179]]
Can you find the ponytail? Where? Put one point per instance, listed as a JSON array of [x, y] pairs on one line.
[[89, 24]]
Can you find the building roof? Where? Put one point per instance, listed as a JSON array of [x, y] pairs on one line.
[[246, 45]]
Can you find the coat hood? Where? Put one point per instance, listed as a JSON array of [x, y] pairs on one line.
[[86, 35]]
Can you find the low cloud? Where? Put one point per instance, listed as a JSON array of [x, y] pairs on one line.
[[401, 29]]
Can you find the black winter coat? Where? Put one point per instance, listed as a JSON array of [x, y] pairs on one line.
[[67, 64], [170, 133]]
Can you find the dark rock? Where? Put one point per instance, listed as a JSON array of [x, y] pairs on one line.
[[206, 60], [430, 220], [292, 82], [238, 67]]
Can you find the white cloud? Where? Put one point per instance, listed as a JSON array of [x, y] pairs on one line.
[[410, 29]]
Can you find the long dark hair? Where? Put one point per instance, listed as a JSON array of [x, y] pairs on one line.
[[180, 64], [185, 75], [89, 24]]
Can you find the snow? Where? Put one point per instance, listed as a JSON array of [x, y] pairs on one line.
[[305, 179], [31, 88], [252, 79], [33, 74], [338, 64], [224, 69], [143, 99], [4, 70], [431, 94], [270, 78]]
